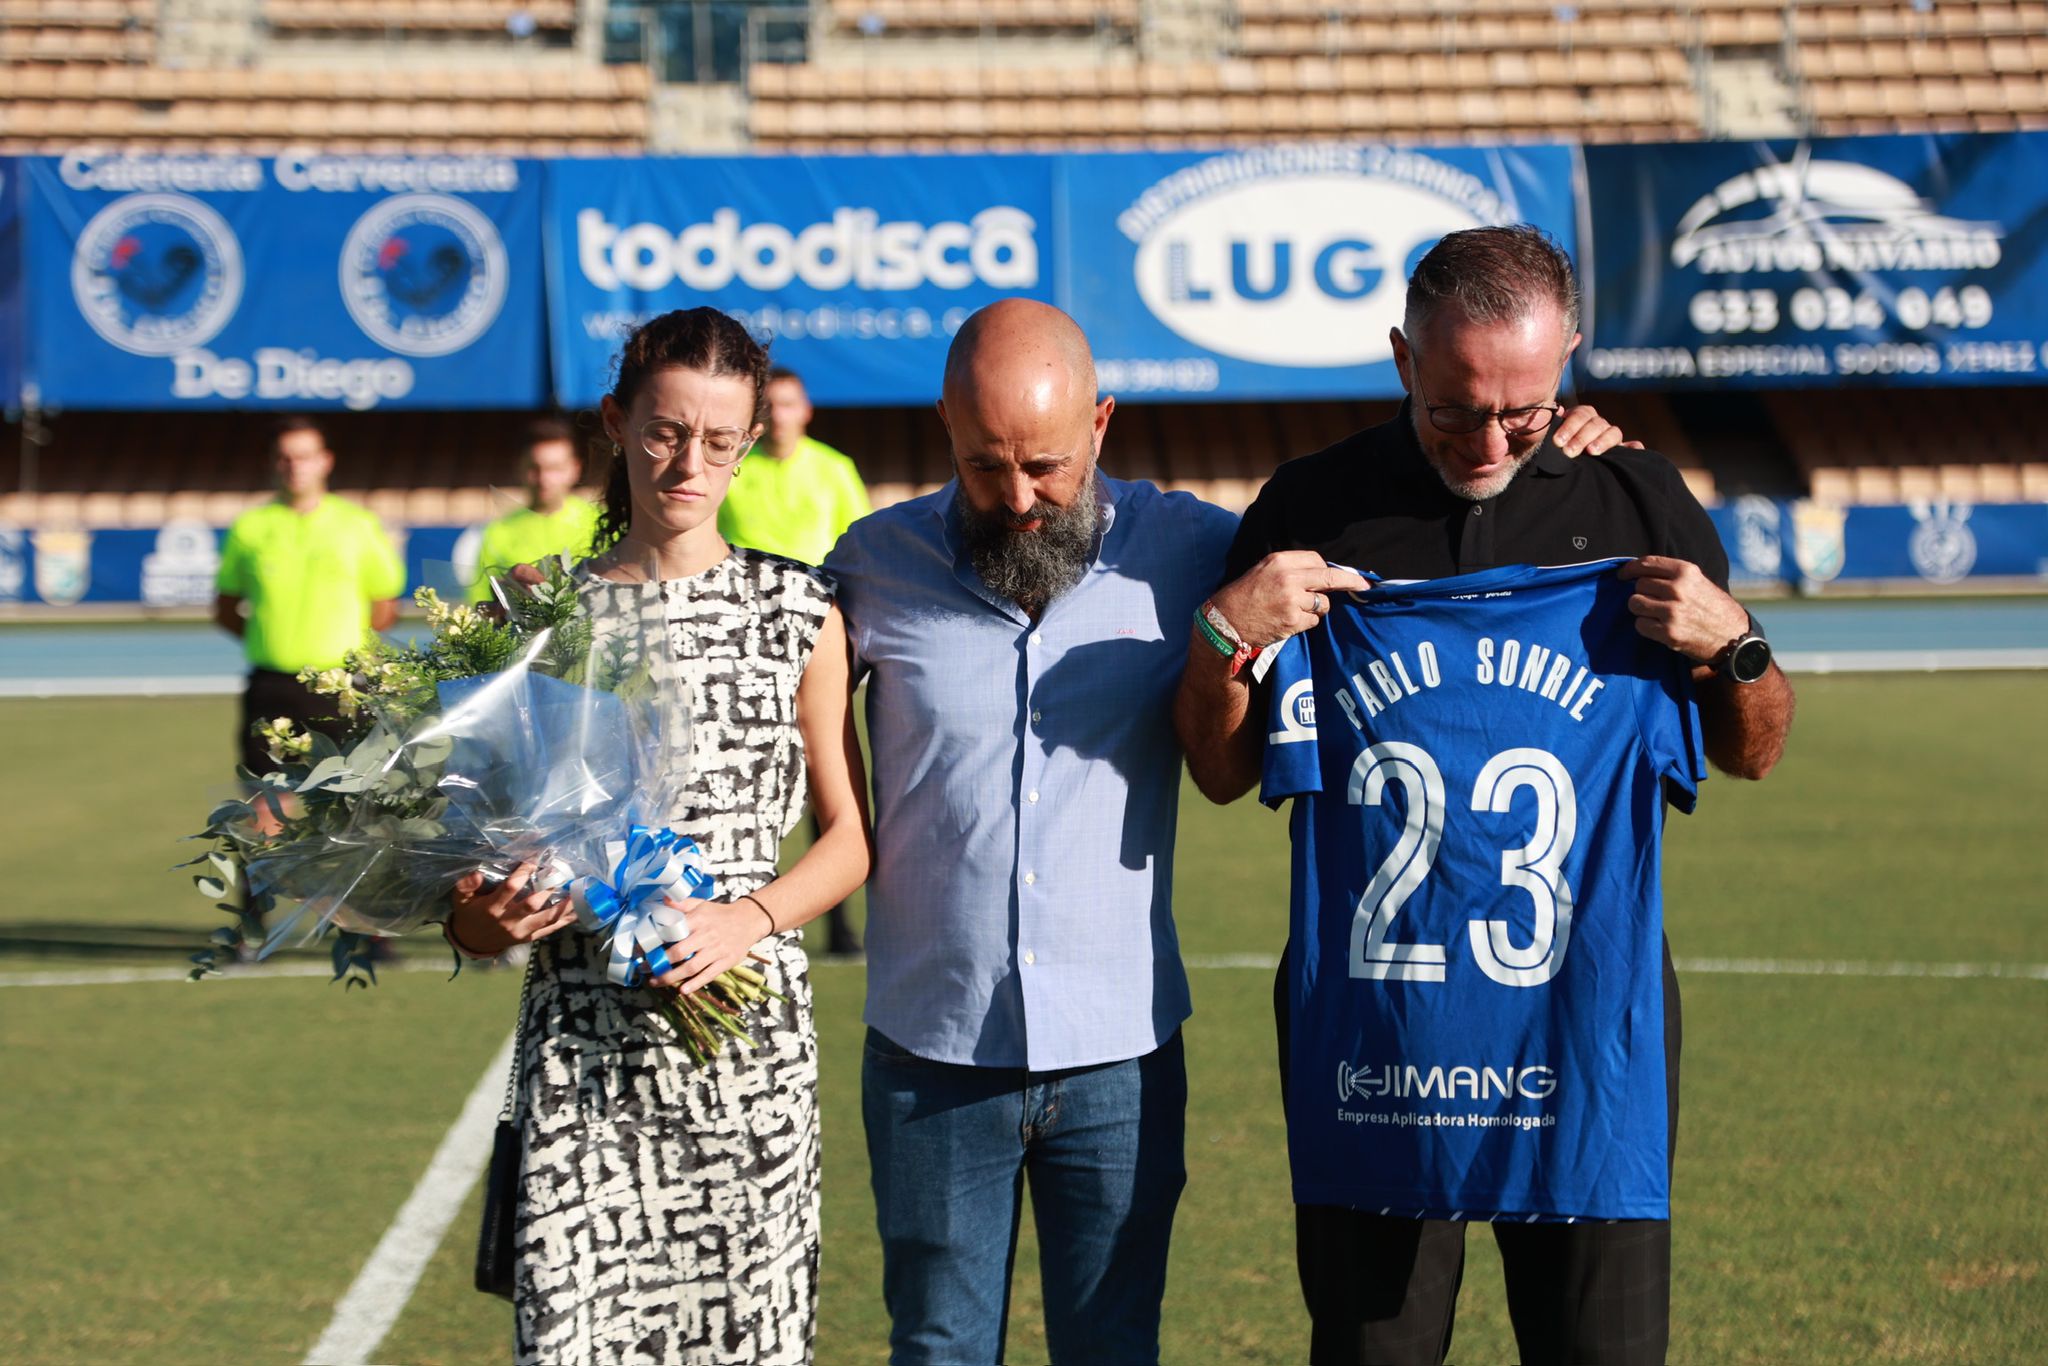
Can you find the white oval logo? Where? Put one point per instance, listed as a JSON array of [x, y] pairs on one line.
[[157, 273], [1308, 270], [423, 274]]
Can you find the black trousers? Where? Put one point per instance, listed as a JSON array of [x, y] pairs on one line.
[[269, 695], [1385, 1290]]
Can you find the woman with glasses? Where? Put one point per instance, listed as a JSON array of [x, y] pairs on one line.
[[669, 1212]]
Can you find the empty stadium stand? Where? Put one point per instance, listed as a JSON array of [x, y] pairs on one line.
[[525, 110], [412, 18]]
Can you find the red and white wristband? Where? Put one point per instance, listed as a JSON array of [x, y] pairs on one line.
[[1223, 637]]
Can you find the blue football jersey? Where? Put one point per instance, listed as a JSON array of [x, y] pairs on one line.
[[1480, 767]]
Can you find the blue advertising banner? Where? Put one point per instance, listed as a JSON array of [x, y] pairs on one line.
[[11, 338], [1769, 541], [173, 565], [857, 271], [1277, 272], [1938, 543], [1876, 260], [307, 281]]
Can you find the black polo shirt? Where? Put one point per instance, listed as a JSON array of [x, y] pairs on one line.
[[1372, 502]]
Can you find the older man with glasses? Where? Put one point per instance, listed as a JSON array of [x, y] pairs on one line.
[[1438, 983]]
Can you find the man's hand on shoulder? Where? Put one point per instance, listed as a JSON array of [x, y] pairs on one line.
[[1283, 595], [1582, 431], [1677, 605]]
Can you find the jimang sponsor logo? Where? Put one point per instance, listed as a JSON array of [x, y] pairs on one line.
[[1405, 1081]]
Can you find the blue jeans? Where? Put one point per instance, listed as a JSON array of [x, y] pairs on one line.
[[950, 1147]]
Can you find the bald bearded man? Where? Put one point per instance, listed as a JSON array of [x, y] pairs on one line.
[[1021, 631]]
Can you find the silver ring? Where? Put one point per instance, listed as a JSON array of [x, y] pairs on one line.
[[1322, 604]]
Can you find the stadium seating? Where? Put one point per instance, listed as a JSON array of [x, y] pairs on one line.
[[879, 16], [525, 110], [1602, 94], [417, 17], [1890, 446], [77, 30]]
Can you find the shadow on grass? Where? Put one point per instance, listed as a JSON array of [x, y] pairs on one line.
[[60, 939]]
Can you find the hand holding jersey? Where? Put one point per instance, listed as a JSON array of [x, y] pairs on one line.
[[1284, 594]]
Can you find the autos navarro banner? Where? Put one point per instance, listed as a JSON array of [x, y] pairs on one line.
[[307, 281], [857, 271], [1277, 272], [1875, 260]]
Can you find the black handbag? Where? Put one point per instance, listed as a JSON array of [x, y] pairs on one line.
[[501, 1188], [501, 1182]]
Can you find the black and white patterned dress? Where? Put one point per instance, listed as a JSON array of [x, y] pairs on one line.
[[669, 1213]]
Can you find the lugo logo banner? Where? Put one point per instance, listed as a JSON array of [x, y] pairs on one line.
[[856, 271], [308, 281], [1879, 260], [1278, 271]]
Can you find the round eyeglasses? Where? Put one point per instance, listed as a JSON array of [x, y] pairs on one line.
[[664, 439], [1454, 420]]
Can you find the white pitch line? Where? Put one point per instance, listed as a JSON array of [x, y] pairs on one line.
[[384, 1285], [165, 685], [1937, 660], [107, 977], [1908, 661], [1805, 967]]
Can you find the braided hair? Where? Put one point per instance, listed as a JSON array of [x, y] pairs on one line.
[[701, 339]]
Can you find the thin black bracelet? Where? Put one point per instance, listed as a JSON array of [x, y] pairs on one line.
[[760, 906]]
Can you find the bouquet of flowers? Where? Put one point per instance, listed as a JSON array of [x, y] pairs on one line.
[[537, 738]]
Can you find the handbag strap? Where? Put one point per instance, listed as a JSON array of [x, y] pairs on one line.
[[518, 1038]]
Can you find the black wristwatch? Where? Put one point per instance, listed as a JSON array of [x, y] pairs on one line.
[[1746, 658]]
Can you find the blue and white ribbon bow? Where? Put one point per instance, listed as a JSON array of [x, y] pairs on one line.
[[648, 866]]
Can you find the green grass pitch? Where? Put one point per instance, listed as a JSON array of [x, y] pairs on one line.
[[196, 1173]]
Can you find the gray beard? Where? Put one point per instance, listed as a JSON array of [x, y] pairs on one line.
[[1031, 568]]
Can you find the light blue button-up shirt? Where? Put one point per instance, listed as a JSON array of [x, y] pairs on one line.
[[1026, 782]]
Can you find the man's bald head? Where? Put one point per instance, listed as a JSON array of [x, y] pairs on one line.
[[1020, 352], [1020, 410]]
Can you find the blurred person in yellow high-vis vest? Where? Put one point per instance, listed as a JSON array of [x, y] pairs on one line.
[[796, 494], [303, 579], [554, 521]]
